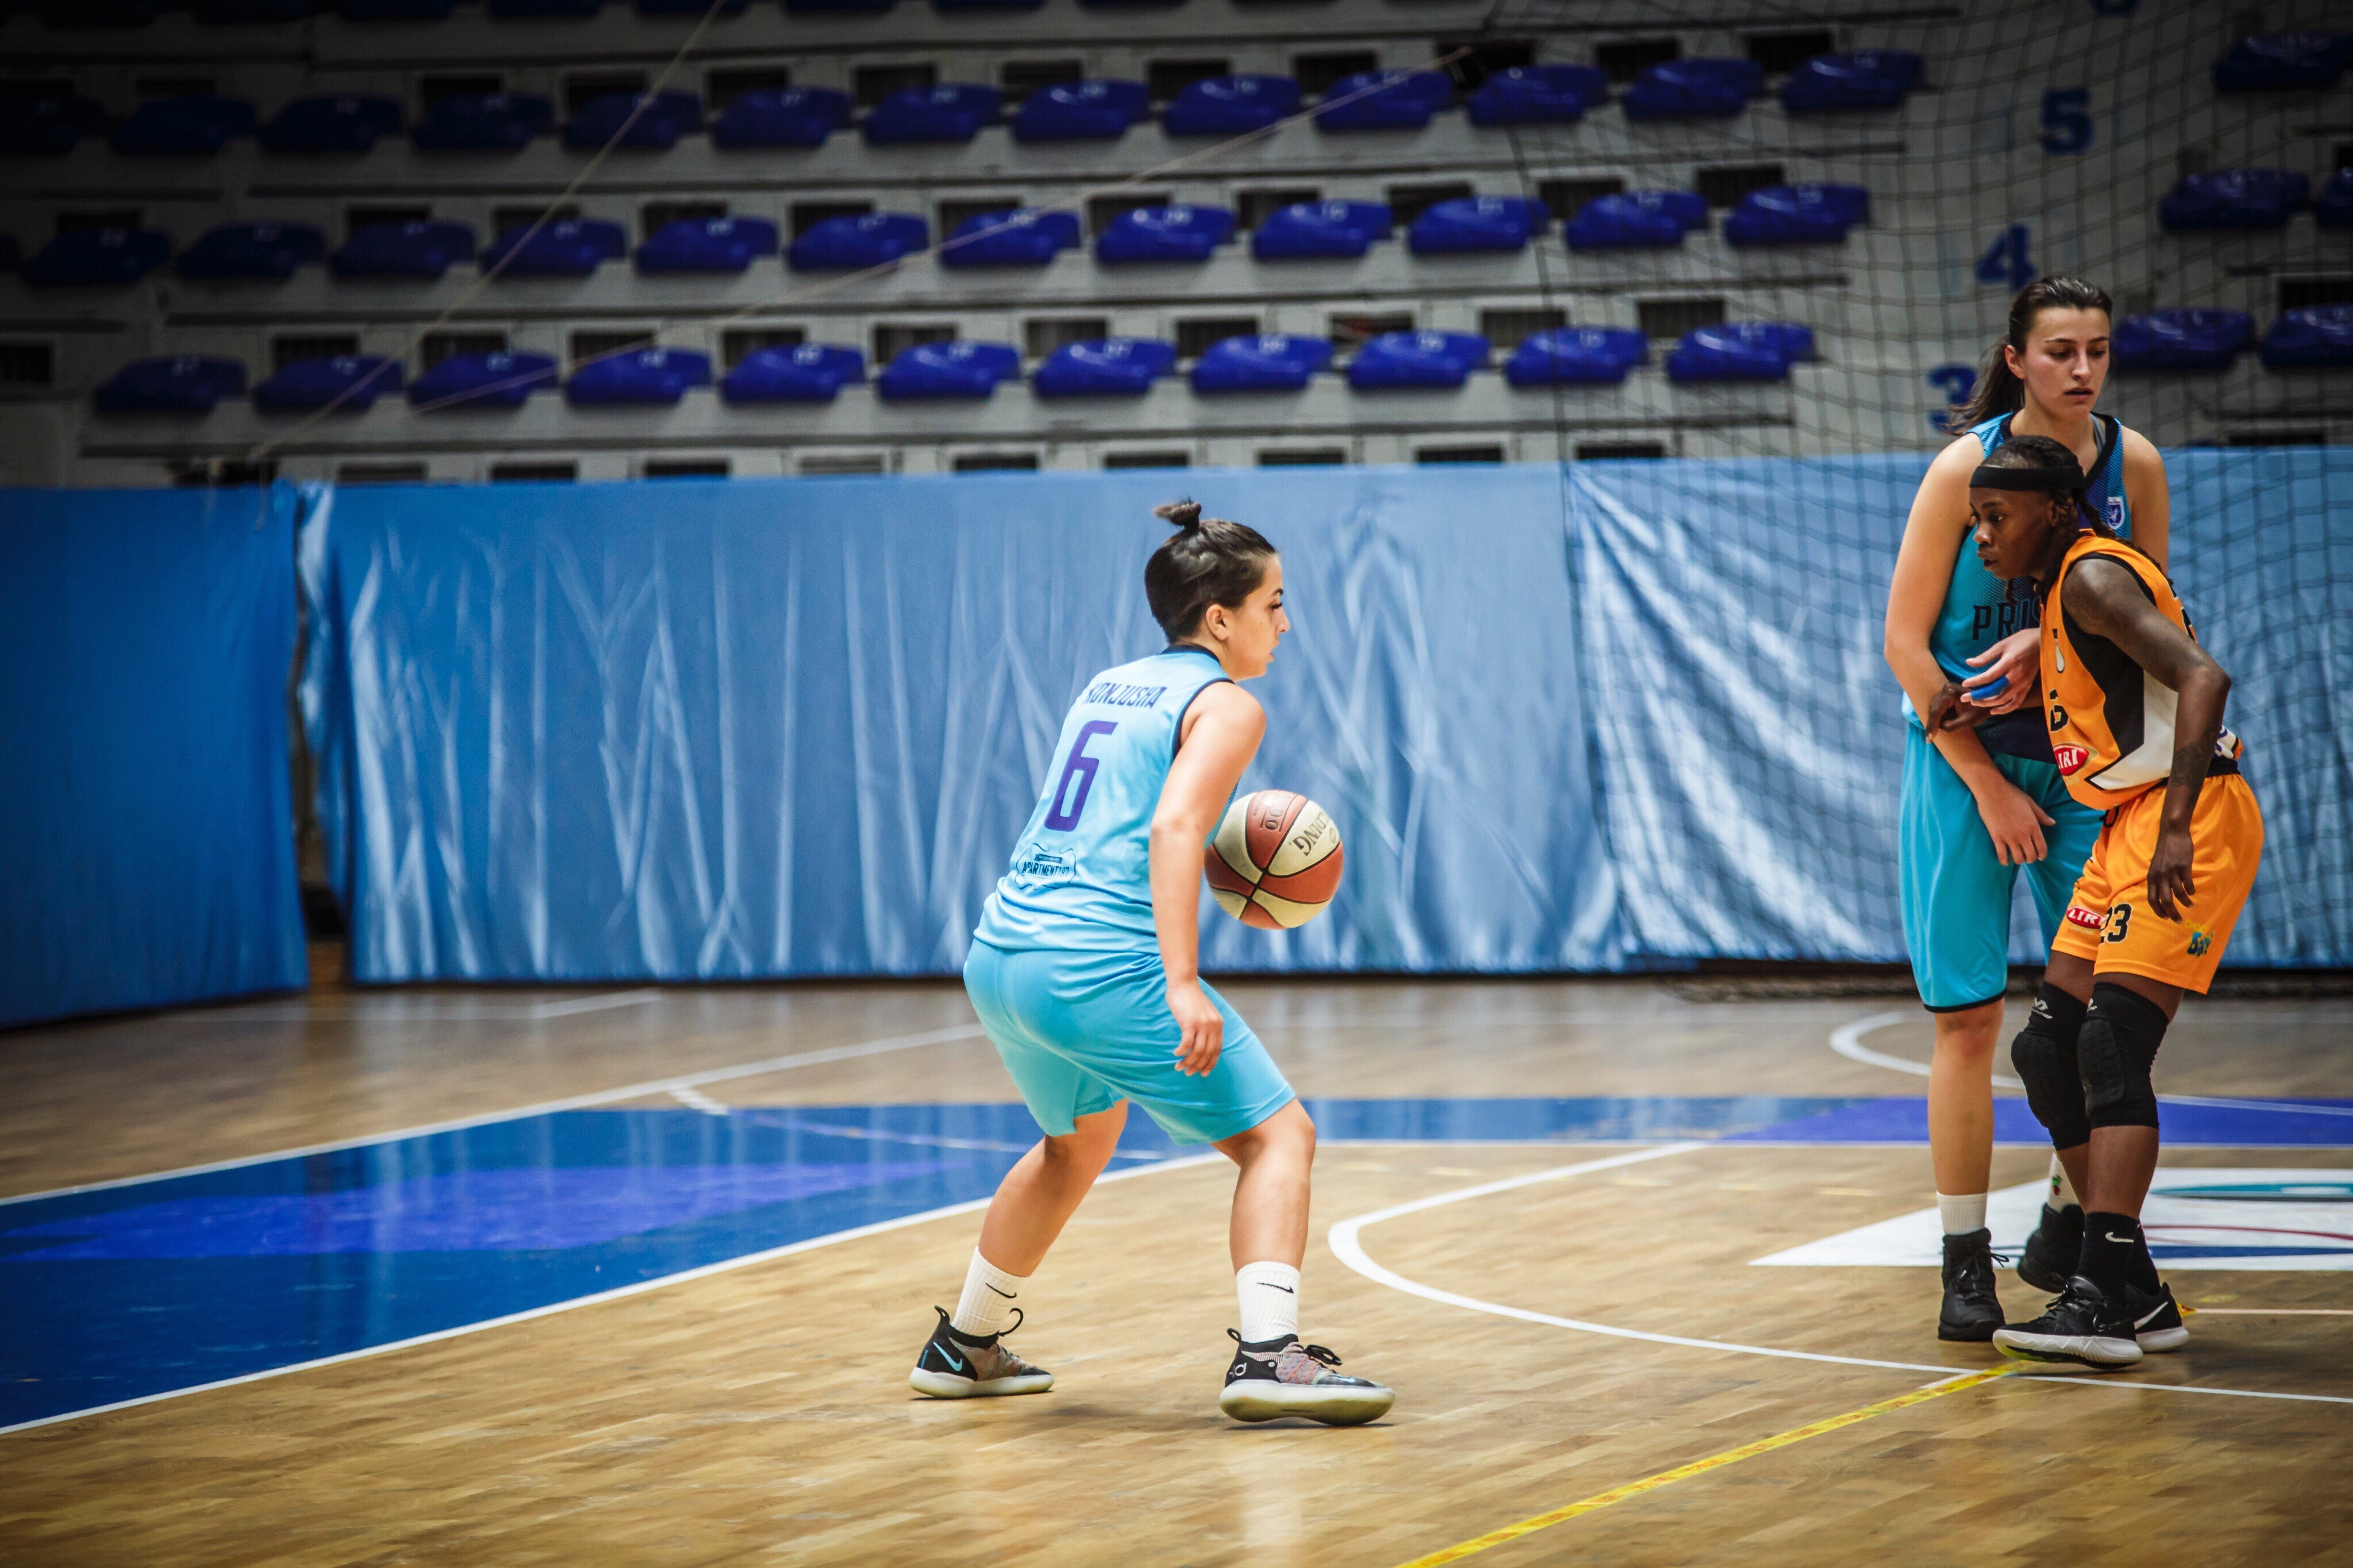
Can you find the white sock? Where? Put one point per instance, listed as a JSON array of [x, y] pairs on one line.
[[1961, 1213], [986, 1304], [1270, 1299], [2063, 1192]]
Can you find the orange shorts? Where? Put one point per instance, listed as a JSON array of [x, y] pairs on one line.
[[2108, 919]]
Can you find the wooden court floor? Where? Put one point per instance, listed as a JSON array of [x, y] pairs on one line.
[[760, 1414]]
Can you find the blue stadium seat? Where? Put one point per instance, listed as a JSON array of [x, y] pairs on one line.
[[1477, 223], [1577, 357], [93, 257], [573, 247], [654, 375], [500, 380], [483, 122], [1740, 351], [1269, 362], [46, 127], [252, 250], [1636, 220], [1798, 214], [343, 123], [2333, 208], [1321, 228], [951, 112], [249, 12], [782, 117], [1385, 100], [396, 10], [1104, 367], [1417, 359], [1537, 95], [1099, 110], [182, 127], [1862, 78], [1229, 105], [187, 384], [2191, 338], [2316, 336], [1174, 233], [544, 10], [655, 128], [846, 242], [1014, 238], [421, 250], [91, 15], [2273, 62], [948, 370], [708, 245], [806, 373], [351, 381], [1693, 89], [2236, 198]]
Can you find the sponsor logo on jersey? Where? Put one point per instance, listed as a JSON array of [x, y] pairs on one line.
[[2199, 941], [2058, 717], [2070, 759], [2090, 919]]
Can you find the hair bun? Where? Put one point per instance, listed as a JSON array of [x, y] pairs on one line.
[[1184, 514]]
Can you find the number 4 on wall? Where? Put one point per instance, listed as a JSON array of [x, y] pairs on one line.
[[2006, 261]]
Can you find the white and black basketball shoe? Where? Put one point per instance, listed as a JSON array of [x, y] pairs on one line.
[[2081, 1326], [1272, 1378], [951, 1366]]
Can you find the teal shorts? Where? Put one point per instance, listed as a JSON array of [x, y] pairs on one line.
[[1081, 1031], [1957, 891]]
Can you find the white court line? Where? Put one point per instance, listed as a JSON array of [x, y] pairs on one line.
[[574, 1103], [592, 1005], [1345, 1241], [640, 1289], [695, 1100], [1847, 1041], [409, 1009]]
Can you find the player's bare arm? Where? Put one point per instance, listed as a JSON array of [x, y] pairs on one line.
[[2149, 497], [1221, 735], [2105, 598]]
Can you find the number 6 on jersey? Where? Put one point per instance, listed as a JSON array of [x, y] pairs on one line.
[[1277, 860]]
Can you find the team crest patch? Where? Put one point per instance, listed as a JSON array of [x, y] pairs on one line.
[[2090, 919], [2070, 759]]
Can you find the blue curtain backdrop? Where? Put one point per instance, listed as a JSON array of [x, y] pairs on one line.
[[1572, 718], [717, 730], [147, 825]]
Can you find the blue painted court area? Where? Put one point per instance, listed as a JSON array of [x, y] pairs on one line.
[[149, 1287]]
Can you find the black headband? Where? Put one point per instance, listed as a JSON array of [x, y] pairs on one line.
[[2050, 481]]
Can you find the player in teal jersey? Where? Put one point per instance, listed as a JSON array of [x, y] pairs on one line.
[[1974, 814], [1085, 973]]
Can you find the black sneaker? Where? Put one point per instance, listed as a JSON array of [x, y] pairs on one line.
[[1271, 1378], [1971, 1312], [2052, 1251], [2081, 1326], [953, 1367], [2157, 1320]]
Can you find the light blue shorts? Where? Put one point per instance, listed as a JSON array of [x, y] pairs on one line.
[[1081, 1031], [1957, 891]]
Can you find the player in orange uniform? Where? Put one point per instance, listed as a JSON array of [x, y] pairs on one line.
[[2135, 708]]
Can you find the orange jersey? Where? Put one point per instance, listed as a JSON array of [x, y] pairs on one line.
[[2111, 720]]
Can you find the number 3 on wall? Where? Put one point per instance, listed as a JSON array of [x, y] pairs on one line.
[[2066, 119]]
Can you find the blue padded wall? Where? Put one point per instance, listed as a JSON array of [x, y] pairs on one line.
[[732, 729], [146, 824]]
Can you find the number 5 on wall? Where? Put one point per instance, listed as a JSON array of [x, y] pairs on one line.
[[2066, 119]]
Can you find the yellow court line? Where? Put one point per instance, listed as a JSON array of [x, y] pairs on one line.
[[1510, 1532]]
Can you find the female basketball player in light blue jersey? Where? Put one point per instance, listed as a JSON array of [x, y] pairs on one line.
[[1085, 973], [1976, 813]]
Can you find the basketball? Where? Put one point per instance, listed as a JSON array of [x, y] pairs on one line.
[[1278, 860]]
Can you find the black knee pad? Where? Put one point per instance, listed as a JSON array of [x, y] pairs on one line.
[[2122, 1030], [2045, 1056]]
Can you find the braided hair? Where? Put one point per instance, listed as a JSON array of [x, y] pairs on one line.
[[1208, 560]]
